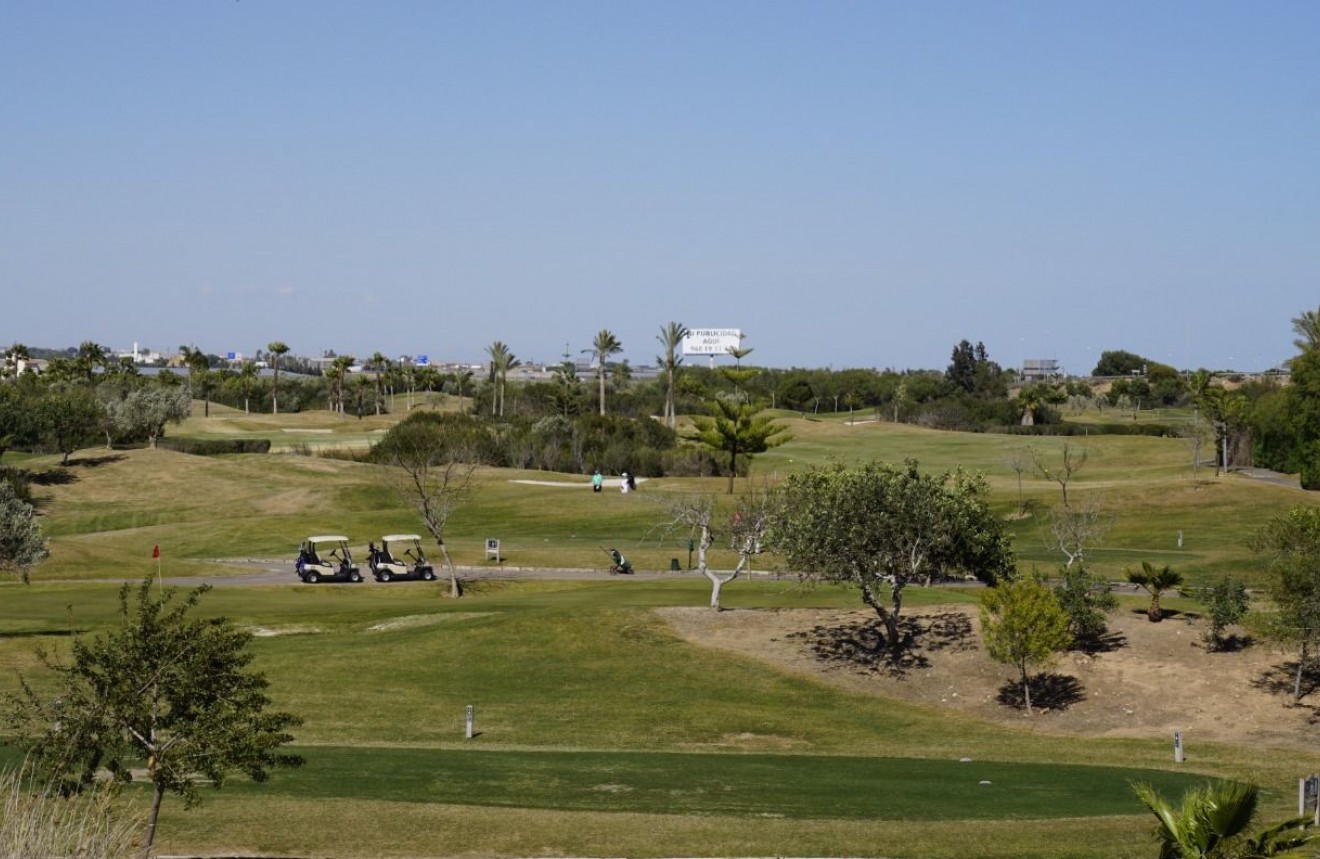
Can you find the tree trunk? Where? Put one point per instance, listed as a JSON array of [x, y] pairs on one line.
[[455, 586], [1155, 614], [896, 595], [888, 619], [1301, 666], [715, 584], [152, 816], [1026, 687]]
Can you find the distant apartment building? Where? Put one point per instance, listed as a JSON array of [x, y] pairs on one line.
[[1034, 369]]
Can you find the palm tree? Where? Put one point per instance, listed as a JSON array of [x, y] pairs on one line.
[[277, 349], [90, 356], [501, 362], [671, 337], [462, 378], [199, 368], [247, 374], [1306, 325], [1212, 821], [18, 353], [605, 345], [1155, 582], [338, 372], [379, 363], [427, 379]]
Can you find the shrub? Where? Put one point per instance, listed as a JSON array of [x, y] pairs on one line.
[[18, 480], [1226, 602], [1087, 601]]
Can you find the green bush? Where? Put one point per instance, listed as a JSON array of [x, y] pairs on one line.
[[1310, 473], [20, 481]]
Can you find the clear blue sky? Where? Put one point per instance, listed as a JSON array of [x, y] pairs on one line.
[[851, 183]]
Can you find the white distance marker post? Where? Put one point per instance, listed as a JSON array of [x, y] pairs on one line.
[[1177, 747], [468, 719]]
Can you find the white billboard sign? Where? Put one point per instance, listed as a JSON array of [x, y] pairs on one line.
[[711, 341]]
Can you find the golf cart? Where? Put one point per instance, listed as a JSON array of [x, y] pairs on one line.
[[405, 561], [326, 559]]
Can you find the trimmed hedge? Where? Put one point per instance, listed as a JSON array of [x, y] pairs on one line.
[[1067, 429], [215, 446]]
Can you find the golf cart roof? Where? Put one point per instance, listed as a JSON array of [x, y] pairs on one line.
[[331, 538], [399, 538]]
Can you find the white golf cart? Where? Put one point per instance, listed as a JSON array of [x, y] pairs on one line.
[[326, 559], [400, 556]]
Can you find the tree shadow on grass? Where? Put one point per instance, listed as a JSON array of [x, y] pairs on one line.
[[861, 646], [96, 461], [52, 477], [43, 633], [1049, 691]]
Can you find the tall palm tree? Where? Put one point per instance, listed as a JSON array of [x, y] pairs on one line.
[[277, 349], [17, 354], [339, 372], [501, 362], [605, 345], [90, 356], [1213, 820], [462, 379], [379, 364], [247, 375], [1155, 582], [671, 337], [1306, 325], [199, 368]]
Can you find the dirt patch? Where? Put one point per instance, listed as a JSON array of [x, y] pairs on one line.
[[411, 621], [272, 631], [1151, 678]]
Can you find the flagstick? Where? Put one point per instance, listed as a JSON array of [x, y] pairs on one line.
[[159, 587]]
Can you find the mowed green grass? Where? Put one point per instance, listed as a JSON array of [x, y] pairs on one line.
[[200, 509], [601, 732], [588, 704]]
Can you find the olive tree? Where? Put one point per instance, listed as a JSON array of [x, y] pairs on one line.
[[159, 686], [882, 526], [144, 411], [67, 420], [22, 545]]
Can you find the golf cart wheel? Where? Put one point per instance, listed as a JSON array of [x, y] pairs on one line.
[[428, 575], [312, 578], [383, 576], [355, 576]]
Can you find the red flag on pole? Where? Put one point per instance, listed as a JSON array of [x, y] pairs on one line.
[[155, 552]]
